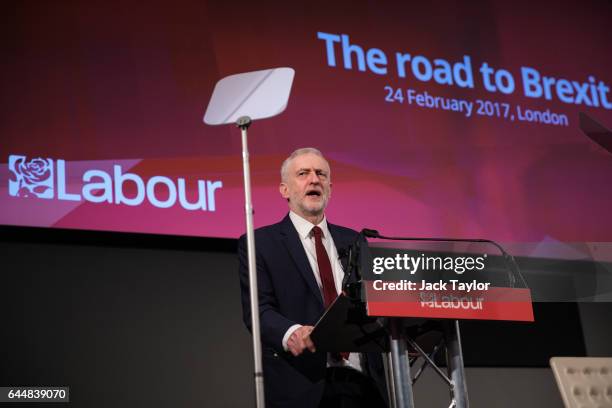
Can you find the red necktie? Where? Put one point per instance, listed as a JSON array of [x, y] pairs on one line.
[[325, 269], [327, 277]]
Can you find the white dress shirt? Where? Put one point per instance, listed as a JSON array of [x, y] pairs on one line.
[[304, 229]]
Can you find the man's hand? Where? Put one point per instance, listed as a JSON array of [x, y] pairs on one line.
[[300, 340]]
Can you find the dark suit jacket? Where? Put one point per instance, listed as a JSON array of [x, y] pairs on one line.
[[288, 295]]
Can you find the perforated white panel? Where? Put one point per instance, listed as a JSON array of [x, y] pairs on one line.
[[584, 382]]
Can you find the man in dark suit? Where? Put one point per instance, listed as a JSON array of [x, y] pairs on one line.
[[299, 275]]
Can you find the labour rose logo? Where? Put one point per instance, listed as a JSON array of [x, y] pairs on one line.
[[32, 178]]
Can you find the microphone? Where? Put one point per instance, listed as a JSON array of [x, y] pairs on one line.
[[370, 233], [352, 266]]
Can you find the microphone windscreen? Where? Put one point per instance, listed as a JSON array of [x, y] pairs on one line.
[[370, 233]]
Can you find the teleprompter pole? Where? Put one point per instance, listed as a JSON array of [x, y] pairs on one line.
[[243, 123]]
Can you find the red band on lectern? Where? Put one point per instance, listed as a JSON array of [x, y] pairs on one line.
[[512, 304]]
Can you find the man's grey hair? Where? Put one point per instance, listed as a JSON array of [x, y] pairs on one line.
[[296, 153]]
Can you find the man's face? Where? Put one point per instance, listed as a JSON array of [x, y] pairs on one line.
[[308, 185]]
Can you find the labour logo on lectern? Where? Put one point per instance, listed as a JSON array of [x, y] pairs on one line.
[[33, 178]]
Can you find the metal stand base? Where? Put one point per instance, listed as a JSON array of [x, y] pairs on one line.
[[400, 381], [397, 366], [454, 364]]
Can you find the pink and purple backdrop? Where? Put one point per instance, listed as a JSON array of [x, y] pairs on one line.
[[98, 84]]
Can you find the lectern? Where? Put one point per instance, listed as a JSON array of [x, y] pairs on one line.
[[407, 302]]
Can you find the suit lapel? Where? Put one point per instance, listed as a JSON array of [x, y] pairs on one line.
[[291, 239]]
